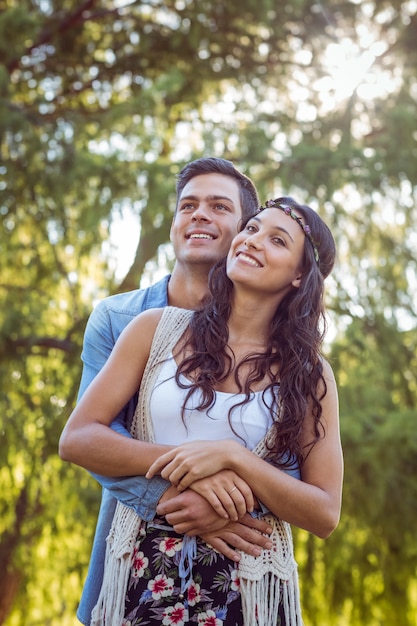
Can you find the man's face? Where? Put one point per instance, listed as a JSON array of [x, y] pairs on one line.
[[207, 218]]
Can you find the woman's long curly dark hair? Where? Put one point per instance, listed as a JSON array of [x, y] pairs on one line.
[[295, 339]]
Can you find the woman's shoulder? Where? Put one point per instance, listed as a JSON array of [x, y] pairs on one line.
[[149, 318], [157, 313], [142, 328], [328, 373], [148, 322]]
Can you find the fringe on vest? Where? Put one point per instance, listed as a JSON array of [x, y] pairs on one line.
[[271, 579], [109, 610]]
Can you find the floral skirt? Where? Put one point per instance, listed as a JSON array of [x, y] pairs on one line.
[[177, 580]]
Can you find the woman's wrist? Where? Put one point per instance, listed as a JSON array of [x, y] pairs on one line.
[[238, 458]]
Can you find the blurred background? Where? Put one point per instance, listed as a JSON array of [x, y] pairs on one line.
[[101, 104]]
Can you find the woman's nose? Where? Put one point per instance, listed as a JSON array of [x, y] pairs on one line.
[[251, 242]]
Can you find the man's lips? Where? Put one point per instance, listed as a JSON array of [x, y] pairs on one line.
[[200, 235]]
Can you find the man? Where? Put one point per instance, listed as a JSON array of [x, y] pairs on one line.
[[212, 198]]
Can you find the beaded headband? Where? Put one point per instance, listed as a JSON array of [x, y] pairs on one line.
[[276, 204]]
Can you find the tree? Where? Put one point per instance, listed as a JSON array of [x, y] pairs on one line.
[[91, 99], [100, 106]]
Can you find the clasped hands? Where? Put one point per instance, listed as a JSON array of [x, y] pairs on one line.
[[187, 464], [206, 492]]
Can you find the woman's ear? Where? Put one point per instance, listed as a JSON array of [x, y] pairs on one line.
[[297, 281]]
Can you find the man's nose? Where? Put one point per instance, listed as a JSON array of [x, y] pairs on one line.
[[201, 213]]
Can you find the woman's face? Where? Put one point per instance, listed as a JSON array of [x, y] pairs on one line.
[[266, 255]]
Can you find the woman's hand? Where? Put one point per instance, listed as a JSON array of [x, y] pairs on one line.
[[229, 495], [193, 460]]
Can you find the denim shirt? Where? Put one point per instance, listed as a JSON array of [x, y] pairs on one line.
[[104, 326]]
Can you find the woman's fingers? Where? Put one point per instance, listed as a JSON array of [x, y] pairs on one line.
[[160, 463], [192, 461], [235, 503], [227, 493], [244, 489], [187, 463]]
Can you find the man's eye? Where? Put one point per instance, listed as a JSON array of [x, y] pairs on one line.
[[187, 207], [221, 207]]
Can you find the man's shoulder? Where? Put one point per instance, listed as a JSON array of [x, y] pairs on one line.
[[131, 303]]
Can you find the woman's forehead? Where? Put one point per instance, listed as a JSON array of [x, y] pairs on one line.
[[275, 217]]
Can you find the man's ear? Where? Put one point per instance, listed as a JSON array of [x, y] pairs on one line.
[[170, 230]]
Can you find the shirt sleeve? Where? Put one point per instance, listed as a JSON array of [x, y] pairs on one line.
[[98, 343], [137, 492]]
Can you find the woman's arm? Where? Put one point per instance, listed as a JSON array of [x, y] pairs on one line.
[[313, 503], [87, 439]]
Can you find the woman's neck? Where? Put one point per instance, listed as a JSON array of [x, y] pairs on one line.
[[250, 321]]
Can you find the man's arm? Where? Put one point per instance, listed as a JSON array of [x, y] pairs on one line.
[[136, 492]]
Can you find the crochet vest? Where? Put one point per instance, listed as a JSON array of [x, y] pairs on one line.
[[265, 581]]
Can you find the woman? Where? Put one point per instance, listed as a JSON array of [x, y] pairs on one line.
[[255, 409]]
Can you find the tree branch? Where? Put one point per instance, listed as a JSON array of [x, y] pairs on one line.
[[66, 345]]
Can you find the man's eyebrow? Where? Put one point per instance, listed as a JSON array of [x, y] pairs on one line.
[[280, 228], [211, 197]]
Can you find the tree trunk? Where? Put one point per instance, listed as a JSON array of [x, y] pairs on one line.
[[9, 585]]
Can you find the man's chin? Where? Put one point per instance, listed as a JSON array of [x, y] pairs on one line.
[[197, 258]]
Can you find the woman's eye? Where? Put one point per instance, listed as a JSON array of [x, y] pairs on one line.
[[250, 229], [279, 241]]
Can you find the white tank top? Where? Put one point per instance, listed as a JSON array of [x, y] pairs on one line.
[[251, 421]]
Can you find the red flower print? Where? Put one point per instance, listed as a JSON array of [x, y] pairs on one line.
[[209, 619], [170, 545], [177, 615], [139, 564], [193, 594], [161, 586]]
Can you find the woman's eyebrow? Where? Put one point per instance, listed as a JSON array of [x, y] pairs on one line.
[[280, 228], [284, 230]]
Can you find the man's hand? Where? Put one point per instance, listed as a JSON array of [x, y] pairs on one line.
[[208, 505], [244, 535], [191, 514]]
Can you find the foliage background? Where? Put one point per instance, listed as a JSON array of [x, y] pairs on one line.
[[101, 104]]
